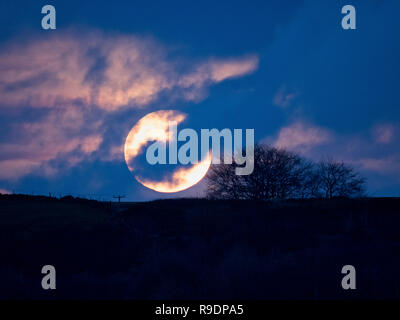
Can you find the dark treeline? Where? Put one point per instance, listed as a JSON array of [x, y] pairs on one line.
[[281, 174]]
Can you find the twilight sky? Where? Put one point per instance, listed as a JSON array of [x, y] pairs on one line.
[[69, 97]]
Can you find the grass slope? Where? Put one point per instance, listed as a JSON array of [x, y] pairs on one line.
[[193, 248]]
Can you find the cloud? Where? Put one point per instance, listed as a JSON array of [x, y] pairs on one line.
[[61, 92], [110, 72], [16, 168], [386, 165], [69, 134], [214, 71], [372, 155], [4, 191], [219, 70], [283, 98], [384, 133], [301, 136]]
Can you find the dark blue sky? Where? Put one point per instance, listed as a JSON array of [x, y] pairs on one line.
[[309, 85]]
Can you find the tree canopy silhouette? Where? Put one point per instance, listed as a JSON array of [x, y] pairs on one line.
[[281, 174]]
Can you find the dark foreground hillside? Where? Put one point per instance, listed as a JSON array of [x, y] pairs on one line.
[[199, 249]]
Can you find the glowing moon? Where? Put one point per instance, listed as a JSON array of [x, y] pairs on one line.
[[154, 127]]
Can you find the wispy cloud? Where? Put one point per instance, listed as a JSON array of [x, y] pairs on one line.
[[4, 191], [372, 154], [69, 133], [301, 136], [109, 72], [383, 165], [214, 71], [76, 81], [283, 98], [384, 133]]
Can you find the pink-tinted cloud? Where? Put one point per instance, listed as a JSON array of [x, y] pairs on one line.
[[301, 136], [68, 134], [77, 81], [377, 155], [381, 165], [384, 133], [218, 70], [214, 71], [16, 168], [221, 70], [4, 191], [283, 98], [109, 72]]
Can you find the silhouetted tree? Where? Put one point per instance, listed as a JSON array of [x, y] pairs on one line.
[[223, 183], [308, 186], [336, 179], [277, 174], [280, 174]]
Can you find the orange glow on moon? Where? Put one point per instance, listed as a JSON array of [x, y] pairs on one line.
[[182, 179], [154, 126]]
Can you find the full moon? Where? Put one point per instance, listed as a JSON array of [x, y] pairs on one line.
[[154, 127]]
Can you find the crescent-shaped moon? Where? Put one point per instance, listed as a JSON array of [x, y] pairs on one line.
[[154, 126]]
